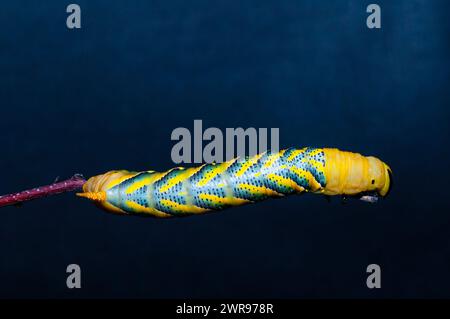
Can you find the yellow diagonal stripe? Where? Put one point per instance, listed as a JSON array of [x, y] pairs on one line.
[[216, 170], [273, 158], [295, 153], [148, 210], [176, 179], [246, 165], [313, 184], [256, 190], [183, 208], [233, 201], [147, 180], [287, 182]]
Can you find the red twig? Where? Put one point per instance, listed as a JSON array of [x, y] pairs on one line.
[[72, 184]]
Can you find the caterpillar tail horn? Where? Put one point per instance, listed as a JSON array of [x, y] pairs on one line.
[[94, 196]]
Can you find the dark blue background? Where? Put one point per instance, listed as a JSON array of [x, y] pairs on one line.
[[109, 95]]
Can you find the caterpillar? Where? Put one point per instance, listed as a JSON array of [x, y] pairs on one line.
[[214, 187]]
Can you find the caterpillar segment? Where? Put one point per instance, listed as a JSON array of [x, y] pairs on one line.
[[213, 187]]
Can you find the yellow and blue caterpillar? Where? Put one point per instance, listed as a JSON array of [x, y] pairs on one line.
[[212, 187]]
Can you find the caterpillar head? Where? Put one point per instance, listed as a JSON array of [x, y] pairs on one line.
[[379, 175], [355, 175]]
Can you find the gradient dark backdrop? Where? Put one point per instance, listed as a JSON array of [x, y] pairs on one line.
[[109, 95]]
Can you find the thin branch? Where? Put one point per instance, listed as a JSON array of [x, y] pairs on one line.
[[72, 184]]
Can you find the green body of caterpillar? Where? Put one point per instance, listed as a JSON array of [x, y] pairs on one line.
[[212, 187]]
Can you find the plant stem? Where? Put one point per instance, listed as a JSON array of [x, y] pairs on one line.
[[72, 184]]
